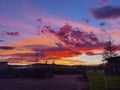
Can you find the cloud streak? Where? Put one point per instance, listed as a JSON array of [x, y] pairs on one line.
[[6, 48], [13, 33], [106, 12], [1, 40]]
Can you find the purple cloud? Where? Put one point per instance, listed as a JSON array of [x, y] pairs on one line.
[[24, 54], [59, 44], [75, 38], [6, 48], [106, 12], [39, 21], [37, 46], [42, 54], [13, 33], [102, 24], [1, 40], [53, 49], [86, 21], [92, 53]]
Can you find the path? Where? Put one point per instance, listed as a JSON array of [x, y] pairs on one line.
[[59, 82]]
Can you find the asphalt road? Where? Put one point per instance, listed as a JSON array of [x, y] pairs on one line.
[[59, 82]]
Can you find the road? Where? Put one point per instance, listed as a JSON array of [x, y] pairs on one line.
[[59, 82]]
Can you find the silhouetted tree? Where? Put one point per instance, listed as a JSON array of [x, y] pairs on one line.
[[109, 49]]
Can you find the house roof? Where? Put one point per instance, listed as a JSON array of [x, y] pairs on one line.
[[113, 58]]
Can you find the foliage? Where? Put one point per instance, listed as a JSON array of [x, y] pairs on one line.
[[109, 49]]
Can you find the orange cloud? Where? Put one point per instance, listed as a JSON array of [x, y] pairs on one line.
[[14, 51]]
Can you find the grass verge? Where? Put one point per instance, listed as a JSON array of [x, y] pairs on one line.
[[98, 81]]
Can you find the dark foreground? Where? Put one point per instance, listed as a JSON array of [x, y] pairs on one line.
[[58, 82]]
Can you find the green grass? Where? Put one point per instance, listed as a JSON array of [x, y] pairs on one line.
[[98, 81], [113, 81]]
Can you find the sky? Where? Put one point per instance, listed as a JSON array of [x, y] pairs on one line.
[[69, 32]]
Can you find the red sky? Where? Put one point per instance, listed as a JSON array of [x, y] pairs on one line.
[[68, 32]]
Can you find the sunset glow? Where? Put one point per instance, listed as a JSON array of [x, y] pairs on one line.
[[69, 32]]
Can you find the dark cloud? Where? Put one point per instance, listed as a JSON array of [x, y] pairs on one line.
[[59, 44], [24, 54], [13, 33], [77, 53], [37, 46], [32, 56], [38, 20], [57, 49], [102, 24], [1, 40], [40, 54], [92, 53], [86, 21], [106, 12], [6, 47]]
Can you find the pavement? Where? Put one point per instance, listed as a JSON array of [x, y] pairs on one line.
[[58, 82]]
